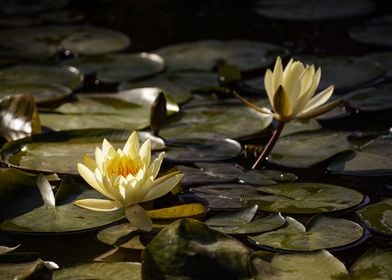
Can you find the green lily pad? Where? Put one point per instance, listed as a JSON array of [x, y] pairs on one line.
[[123, 110], [112, 234], [95, 41], [223, 196], [378, 35], [59, 152], [313, 10], [205, 55], [115, 68], [201, 149], [212, 119], [309, 148], [378, 216], [43, 93], [376, 264], [35, 269], [66, 76], [371, 99], [344, 72], [179, 84], [373, 156], [266, 177], [305, 198], [240, 222], [385, 59], [100, 270], [320, 265], [321, 233]]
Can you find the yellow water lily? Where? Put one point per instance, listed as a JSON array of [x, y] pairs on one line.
[[126, 177], [291, 92]]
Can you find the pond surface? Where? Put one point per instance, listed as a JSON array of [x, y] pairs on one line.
[[95, 68]]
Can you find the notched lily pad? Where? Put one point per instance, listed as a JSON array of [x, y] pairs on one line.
[[205, 55], [305, 198], [378, 216], [321, 233]]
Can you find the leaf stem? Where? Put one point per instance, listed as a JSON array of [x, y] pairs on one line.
[[269, 146]]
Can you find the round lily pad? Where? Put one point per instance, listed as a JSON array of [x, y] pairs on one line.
[[115, 68], [379, 35], [95, 41], [42, 92], [310, 265], [213, 119], [304, 198], [66, 76], [178, 84], [378, 216], [308, 148], [206, 55], [322, 233], [59, 152], [372, 99], [375, 264], [385, 59], [313, 10], [199, 149], [344, 72]]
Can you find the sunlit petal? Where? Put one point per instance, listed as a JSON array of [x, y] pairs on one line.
[[102, 205], [319, 110], [163, 185], [319, 99]]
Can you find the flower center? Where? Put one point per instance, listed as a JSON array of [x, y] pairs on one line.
[[124, 167]]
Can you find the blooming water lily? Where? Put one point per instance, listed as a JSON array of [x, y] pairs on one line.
[[291, 93], [126, 177]]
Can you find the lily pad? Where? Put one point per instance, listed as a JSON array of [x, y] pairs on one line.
[[304, 198], [95, 41], [20, 7], [66, 76], [59, 152], [345, 73], [320, 265], [62, 16], [217, 119], [111, 235], [205, 55], [123, 110], [180, 85], [115, 68], [385, 59], [321, 233], [43, 93], [372, 99], [376, 264], [313, 10], [201, 149], [309, 148], [100, 270], [378, 35], [34, 269], [378, 216], [266, 177]]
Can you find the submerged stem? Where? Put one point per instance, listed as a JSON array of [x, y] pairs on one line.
[[269, 146]]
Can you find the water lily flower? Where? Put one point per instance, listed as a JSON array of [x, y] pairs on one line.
[[291, 92], [126, 177]]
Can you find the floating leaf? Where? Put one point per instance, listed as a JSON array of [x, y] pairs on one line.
[[212, 119], [100, 270], [385, 59], [176, 212], [112, 234], [36, 269], [376, 264], [233, 218], [372, 99], [321, 233], [378, 216], [313, 10], [95, 41], [309, 148], [195, 176], [18, 116], [66, 76], [204, 55], [115, 68], [20, 7], [373, 35], [266, 177], [266, 265], [193, 246], [304, 198]]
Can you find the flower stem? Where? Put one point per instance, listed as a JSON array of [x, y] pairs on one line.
[[269, 146]]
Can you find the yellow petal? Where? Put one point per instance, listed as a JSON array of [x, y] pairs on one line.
[[90, 178], [277, 75], [138, 217], [101, 205], [269, 87], [319, 110], [131, 147], [319, 99], [145, 153], [154, 168], [89, 162], [163, 185], [107, 148], [99, 159]]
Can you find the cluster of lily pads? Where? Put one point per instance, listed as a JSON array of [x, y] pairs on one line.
[[76, 84]]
